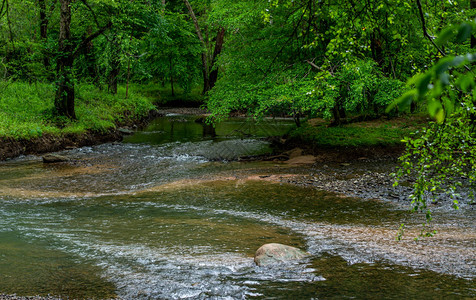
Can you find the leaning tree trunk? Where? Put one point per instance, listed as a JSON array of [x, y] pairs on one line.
[[205, 62], [210, 74], [64, 100], [218, 47]]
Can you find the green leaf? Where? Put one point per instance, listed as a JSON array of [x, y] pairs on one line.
[[404, 101], [464, 32], [457, 61], [466, 82], [445, 35], [440, 116], [433, 107], [422, 83], [443, 65], [445, 78], [449, 105]]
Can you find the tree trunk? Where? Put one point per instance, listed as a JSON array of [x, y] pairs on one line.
[[67, 52], [128, 76], [64, 100], [338, 112], [206, 76], [205, 63], [115, 64], [218, 47], [112, 85], [171, 77], [377, 50]]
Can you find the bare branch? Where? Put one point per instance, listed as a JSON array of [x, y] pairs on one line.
[[313, 64], [428, 36], [425, 32]]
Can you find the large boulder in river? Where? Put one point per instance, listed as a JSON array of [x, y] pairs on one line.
[[54, 158], [277, 253]]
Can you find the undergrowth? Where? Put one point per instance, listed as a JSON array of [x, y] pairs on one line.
[[26, 110]]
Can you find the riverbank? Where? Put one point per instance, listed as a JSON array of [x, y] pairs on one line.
[[11, 147], [28, 125]]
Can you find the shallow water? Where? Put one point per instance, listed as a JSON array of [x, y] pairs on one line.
[[161, 216]]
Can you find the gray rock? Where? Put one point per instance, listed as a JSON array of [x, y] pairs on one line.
[[125, 131], [277, 253], [54, 158]]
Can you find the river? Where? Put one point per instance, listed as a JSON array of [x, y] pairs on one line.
[[170, 214]]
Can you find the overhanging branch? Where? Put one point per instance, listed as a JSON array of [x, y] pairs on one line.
[[90, 38], [425, 32]]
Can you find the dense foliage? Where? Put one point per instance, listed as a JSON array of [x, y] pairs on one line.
[[328, 58], [333, 59], [442, 157]]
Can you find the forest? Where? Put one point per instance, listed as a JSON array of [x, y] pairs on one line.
[[73, 66], [149, 147]]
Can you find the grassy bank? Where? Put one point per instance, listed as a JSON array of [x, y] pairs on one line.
[[318, 133], [26, 110]]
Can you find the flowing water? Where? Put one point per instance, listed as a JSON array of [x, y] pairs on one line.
[[167, 214]]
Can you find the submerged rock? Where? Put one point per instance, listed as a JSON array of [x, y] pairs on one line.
[[54, 158], [277, 253], [302, 160], [125, 131]]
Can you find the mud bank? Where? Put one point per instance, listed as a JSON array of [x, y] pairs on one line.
[[11, 148]]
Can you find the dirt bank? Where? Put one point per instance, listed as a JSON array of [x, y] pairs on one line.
[[10, 148]]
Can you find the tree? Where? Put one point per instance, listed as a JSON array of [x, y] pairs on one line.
[[209, 72], [301, 45], [442, 157], [68, 50]]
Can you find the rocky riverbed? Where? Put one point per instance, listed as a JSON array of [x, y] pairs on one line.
[[125, 173], [15, 297]]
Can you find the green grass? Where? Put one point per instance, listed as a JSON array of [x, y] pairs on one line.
[[26, 110], [363, 134]]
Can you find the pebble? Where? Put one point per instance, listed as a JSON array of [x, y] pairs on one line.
[[15, 297]]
